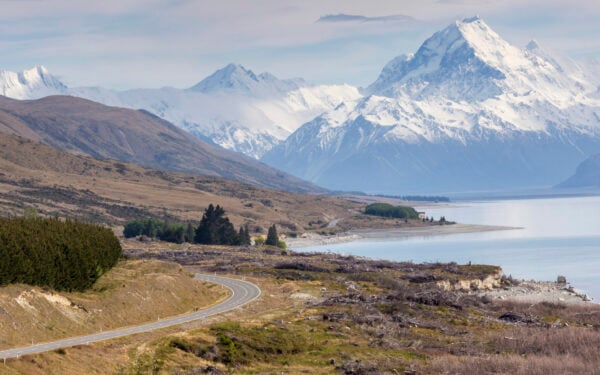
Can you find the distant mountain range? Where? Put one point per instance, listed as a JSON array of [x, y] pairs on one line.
[[233, 108], [586, 175], [84, 127], [467, 112]]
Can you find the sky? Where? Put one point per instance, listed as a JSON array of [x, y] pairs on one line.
[[123, 44]]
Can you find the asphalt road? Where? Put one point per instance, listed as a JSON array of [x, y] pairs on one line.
[[243, 292]]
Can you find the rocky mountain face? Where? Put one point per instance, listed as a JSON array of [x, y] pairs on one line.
[[586, 175], [466, 112], [84, 127], [233, 108]]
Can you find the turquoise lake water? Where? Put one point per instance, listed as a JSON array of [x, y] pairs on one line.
[[559, 236]]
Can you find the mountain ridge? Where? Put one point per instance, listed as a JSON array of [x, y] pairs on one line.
[[82, 126], [586, 175], [233, 108]]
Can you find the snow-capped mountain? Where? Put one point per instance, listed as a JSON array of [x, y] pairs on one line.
[[233, 108], [235, 78], [29, 84], [467, 111]]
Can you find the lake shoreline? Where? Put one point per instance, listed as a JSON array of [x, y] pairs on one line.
[[315, 239], [535, 291], [522, 291]]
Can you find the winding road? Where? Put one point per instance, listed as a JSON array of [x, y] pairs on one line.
[[243, 292]]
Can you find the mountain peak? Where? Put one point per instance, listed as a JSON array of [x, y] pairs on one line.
[[236, 78], [231, 77], [532, 45], [30, 83], [453, 61], [472, 19]]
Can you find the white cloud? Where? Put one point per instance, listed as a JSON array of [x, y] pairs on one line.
[[160, 42]]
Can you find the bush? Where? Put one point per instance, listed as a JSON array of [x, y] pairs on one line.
[[154, 228], [387, 210], [64, 255]]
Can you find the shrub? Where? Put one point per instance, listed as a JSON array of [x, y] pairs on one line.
[[387, 210], [64, 255]]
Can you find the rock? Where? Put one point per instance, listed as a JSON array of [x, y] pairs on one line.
[[561, 280], [517, 318]]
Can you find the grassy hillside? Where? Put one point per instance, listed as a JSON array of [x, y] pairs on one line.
[[59, 183], [84, 127], [133, 292]]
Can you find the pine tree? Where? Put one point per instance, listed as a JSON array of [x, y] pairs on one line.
[[189, 233], [206, 233], [272, 237], [215, 228], [244, 235]]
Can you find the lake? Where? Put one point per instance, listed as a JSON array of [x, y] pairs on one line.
[[559, 236]]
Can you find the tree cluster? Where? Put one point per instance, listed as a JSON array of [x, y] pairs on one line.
[[63, 255], [162, 230], [387, 210], [214, 229]]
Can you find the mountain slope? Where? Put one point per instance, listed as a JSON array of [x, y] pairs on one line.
[[84, 127], [59, 183], [233, 108], [586, 175], [467, 111]]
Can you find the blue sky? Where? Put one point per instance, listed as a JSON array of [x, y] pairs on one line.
[[153, 43]]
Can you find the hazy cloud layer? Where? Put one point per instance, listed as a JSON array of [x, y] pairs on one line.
[[341, 17], [150, 43]]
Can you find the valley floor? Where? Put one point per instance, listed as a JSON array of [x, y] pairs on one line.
[[329, 313]]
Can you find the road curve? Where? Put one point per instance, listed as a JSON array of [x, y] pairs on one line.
[[242, 292]]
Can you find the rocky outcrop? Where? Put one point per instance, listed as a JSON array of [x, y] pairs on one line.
[[487, 283]]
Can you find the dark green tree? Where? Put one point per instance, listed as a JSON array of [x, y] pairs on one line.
[[172, 233], [272, 237], [244, 235], [215, 228], [189, 233]]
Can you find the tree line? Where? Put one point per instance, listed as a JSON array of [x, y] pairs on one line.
[[214, 229], [387, 210], [64, 255]]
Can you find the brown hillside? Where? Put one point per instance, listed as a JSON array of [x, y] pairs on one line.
[[108, 191], [81, 126]]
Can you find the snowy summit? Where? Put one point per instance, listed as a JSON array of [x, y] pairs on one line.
[[467, 109]]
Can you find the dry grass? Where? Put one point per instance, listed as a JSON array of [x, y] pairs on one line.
[[512, 365], [323, 314], [58, 183], [131, 293]]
